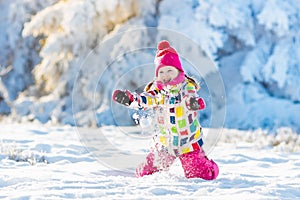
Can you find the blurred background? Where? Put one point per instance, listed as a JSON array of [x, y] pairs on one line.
[[61, 59]]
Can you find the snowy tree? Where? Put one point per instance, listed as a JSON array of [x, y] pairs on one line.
[[18, 55], [77, 51], [254, 44], [68, 37]]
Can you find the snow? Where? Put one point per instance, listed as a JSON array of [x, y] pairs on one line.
[[61, 60], [278, 22], [253, 165]]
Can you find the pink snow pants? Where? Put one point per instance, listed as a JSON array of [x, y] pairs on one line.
[[195, 165]]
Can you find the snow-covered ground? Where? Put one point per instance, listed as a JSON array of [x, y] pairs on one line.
[[54, 163]]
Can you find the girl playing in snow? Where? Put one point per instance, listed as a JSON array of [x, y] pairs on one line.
[[173, 96]]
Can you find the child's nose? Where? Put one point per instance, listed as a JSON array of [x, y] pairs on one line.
[[165, 75]]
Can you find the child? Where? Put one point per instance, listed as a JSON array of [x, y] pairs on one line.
[[172, 95]]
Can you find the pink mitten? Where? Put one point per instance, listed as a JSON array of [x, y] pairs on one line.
[[201, 103]]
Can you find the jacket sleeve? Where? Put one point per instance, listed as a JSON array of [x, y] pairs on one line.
[[147, 100]]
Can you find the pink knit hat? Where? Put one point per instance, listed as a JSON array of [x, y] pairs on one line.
[[166, 56]]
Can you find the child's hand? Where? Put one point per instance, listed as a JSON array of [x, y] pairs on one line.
[[123, 97], [196, 103]]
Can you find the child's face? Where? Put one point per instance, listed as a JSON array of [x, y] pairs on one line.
[[167, 73]]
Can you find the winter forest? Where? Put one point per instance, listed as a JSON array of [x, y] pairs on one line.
[[60, 61], [253, 44]]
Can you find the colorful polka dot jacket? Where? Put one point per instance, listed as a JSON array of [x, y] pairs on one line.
[[178, 125]]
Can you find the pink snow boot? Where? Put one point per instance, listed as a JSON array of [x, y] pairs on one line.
[[197, 165]]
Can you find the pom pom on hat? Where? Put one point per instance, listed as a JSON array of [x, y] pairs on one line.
[[163, 45], [166, 56]]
